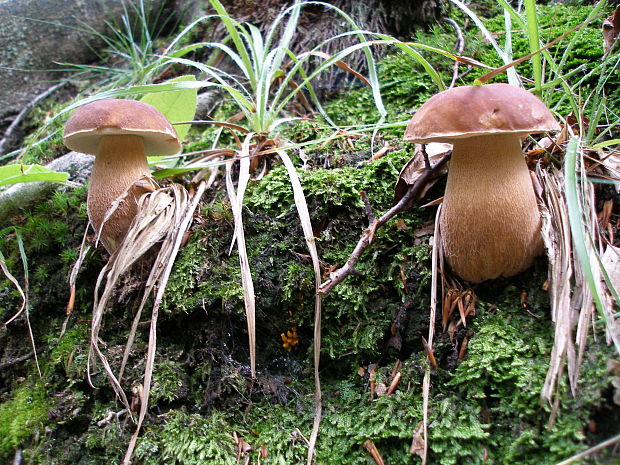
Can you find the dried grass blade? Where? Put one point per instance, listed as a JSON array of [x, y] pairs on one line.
[[148, 227], [426, 389], [557, 239], [166, 203], [341, 64], [13, 280], [236, 199], [306, 224], [426, 385], [585, 237], [23, 294], [75, 270], [583, 455], [183, 214]]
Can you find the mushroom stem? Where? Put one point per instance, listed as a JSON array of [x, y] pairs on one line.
[[112, 175], [490, 221]]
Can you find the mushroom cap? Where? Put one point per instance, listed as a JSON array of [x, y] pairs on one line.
[[116, 117], [469, 111]]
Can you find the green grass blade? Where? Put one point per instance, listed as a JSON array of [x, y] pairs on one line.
[[512, 74], [607, 143], [534, 41], [186, 30], [233, 28], [576, 219]]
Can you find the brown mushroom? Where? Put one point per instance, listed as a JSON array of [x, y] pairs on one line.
[[490, 222], [120, 133]]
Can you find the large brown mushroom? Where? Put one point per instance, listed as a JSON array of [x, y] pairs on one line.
[[120, 133], [490, 222]]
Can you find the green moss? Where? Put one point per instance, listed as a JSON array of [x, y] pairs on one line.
[[168, 382], [23, 414], [497, 393], [204, 275], [189, 439], [487, 405], [52, 233], [69, 353], [457, 434]]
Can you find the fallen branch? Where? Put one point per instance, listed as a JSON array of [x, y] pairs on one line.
[[111, 416], [15, 361], [24, 111], [414, 190]]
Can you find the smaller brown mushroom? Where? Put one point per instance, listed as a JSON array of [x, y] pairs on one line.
[[490, 222], [120, 133]]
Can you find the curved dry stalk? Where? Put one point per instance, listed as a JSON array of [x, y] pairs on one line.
[[24, 308], [236, 200], [582, 455], [306, 224], [157, 281], [460, 45], [13, 280], [436, 264]]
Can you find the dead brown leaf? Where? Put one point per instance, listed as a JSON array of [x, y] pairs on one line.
[[464, 301], [370, 446], [418, 443], [415, 167], [611, 29], [611, 163], [614, 367]]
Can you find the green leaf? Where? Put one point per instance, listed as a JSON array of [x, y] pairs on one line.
[[16, 173], [176, 105]]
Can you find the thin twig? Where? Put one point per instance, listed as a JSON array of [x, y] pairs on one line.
[[24, 111], [367, 207], [414, 190], [15, 361], [110, 416], [460, 46], [17, 460], [585, 453]]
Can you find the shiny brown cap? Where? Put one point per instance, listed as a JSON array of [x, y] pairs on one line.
[[478, 110], [104, 117]]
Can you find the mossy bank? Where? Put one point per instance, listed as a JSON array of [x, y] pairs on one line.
[[484, 404]]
